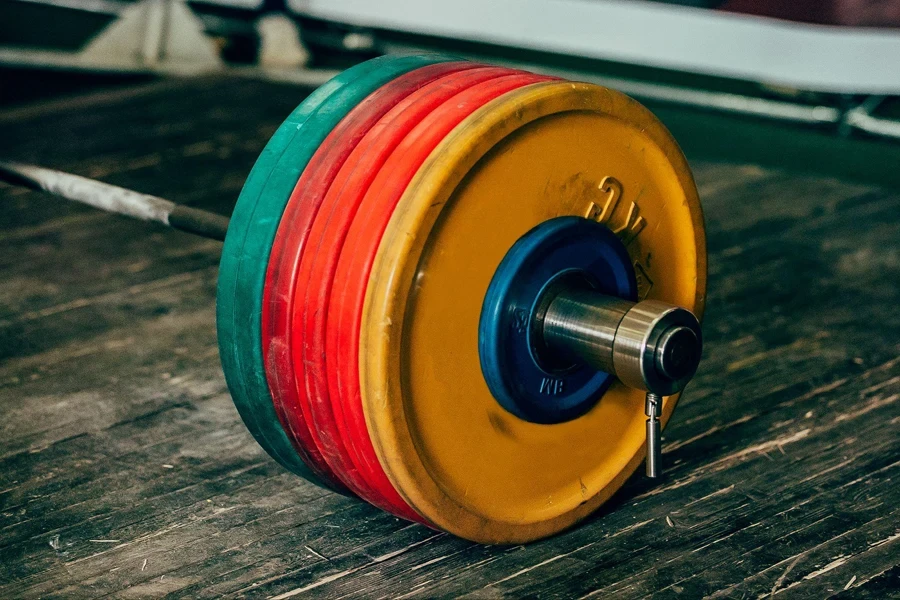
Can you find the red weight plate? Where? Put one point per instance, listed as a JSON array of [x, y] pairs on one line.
[[289, 244], [317, 265], [363, 237]]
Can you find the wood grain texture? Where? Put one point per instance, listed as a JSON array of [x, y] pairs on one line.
[[125, 470]]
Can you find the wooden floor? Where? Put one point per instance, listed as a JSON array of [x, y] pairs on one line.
[[125, 470]]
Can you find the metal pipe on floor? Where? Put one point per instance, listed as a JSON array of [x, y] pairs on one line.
[[115, 199]]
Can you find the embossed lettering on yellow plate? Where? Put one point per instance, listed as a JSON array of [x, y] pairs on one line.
[[543, 151], [627, 226]]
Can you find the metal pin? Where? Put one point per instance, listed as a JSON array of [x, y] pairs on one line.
[[652, 406], [649, 345]]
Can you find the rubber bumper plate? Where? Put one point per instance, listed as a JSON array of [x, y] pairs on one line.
[[316, 273], [429, 115], [302, 404], [539, 152], [252, 230]]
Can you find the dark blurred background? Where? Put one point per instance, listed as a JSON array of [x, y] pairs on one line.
[[811, 85]]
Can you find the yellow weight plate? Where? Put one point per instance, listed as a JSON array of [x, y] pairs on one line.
[[543, 151]]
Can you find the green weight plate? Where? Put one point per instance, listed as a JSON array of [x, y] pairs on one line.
[[254, 222]]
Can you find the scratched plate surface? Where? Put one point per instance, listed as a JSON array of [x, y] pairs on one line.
[[542, 151]]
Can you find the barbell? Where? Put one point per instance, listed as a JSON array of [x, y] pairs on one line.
[[466, 294]]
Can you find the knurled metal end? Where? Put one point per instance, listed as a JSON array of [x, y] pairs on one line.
[[650, 345], [657, 347], [652, 408]]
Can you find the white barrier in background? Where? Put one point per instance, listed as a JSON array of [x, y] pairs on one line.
[[808, 57]]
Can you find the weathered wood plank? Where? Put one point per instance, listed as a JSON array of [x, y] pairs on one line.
[[125, 471]]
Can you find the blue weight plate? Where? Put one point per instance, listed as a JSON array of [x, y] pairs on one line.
[[554, 253]]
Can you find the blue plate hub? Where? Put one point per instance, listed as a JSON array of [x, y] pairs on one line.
[[528, 382]]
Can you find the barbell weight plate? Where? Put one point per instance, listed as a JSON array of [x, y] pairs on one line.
[[316, 270], [253, 225], [561, 252], [438, 111], [543, 151], [293, 397]]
